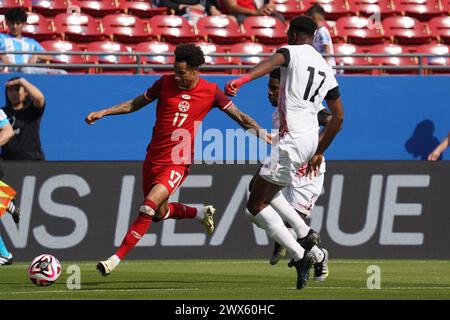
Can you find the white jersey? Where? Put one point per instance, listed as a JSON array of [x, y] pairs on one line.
[[306, 79]]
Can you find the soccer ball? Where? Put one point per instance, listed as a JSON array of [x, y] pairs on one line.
[[44, 270]]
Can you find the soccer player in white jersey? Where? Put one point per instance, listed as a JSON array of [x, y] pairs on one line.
[[306, 79], [304, 191]]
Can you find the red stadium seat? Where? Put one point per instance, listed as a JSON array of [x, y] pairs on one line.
[[250, 48], [143, 9], [155, 48], [265, 29], [419, 9], [369, 7], [78, 28], [50, 8], [98, 8], [359, 30], [5, 5], [349, 49], [438, 49], [173, 29], [220, 29], [126, 28], [333, 8], [38, 27], [111, 48], [445, 6], [393, 61], [66, 46], [288, 8], [209, 48], [440, 27], [406, 30]]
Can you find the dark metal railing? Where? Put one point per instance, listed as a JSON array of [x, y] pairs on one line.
[[139, 65]]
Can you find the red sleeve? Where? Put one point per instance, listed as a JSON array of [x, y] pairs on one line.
[[221, 100], [152, 93]]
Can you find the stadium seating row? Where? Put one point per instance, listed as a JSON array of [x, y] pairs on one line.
[[155, 49], [421, 9], [223, 30]]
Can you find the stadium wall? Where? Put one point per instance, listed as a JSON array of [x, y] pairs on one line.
[[369, 209], [386, 118]]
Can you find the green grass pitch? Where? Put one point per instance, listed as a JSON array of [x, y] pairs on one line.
[[235, 279]]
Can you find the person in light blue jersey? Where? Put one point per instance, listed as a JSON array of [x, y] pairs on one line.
[[14, 41], [322, 39]]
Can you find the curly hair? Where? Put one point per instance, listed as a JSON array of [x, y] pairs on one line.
[[303, 24], [15, 15], [315, 9], [189, 53]]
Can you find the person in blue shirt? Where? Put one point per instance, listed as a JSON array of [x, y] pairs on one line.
[[14, 41], [322, 39]]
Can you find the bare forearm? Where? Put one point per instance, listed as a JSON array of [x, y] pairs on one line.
[[35, 94], [329, 133], [443, 145], [266, 66], [121, 108], [127, 106]]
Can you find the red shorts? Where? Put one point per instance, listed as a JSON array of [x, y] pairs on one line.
[[171, 176]]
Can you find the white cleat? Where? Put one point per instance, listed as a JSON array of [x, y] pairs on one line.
[[208, 219], [107, 266], [321, 271]]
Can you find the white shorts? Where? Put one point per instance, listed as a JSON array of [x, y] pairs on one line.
[[304, 191], [287, 156]]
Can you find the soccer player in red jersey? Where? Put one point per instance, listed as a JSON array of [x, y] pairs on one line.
[[184, 99]]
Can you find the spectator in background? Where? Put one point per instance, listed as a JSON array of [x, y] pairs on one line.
[[436, 153], [192, 10], [14, 41], [322, 39], [242, 9], [25, 105]]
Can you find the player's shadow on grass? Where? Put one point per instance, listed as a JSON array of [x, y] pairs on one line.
[[422, 141]]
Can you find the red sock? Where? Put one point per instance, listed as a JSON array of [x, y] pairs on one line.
[[136, 231], [180, 211]]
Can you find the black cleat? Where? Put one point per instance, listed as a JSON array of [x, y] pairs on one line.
[[311, 240], [278, 253], [101, 269], [14, 210], [16, 215], [303, 266]]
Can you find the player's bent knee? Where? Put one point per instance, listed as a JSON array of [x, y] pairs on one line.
[[254, 207]]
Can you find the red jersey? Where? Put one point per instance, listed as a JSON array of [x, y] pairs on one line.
[[178, 114]]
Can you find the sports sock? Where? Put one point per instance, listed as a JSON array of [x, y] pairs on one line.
[[137, 229], [275, 228], [181, 211], [3, 251], [288, 214]]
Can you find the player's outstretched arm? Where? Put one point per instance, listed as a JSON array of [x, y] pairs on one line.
[[248, 123], [122, 108], [435, 154], [262, 68]]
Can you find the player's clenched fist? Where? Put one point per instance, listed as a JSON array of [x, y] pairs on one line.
[[94, 116], [232, 86]]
